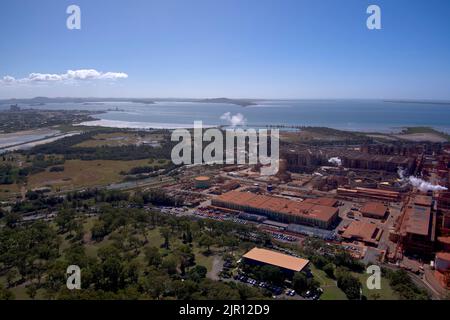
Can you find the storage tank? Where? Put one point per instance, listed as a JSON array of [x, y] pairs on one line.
[[202, 182]]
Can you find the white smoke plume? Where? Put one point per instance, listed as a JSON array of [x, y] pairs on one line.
[[425, 186], [234, 120], [336, 161], [418, 183], [318, 174], [401, 173]]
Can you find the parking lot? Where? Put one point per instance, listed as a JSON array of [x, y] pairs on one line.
[[277, 291]]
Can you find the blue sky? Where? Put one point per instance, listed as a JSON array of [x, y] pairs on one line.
[[232, 48]]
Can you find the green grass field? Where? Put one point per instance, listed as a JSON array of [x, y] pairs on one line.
[[332, 292], [385, 293], [78, 174]]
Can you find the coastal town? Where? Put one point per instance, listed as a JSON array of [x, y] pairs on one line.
[[375, 200], [224, 159]]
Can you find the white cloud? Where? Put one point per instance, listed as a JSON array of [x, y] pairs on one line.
[[70, 75], [234, 120]]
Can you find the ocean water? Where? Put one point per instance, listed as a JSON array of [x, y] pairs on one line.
[[353, 115]]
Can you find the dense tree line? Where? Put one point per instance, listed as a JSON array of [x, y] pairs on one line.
[[401, 282], [38, 163], [349, 284], [31, 254], [67, 147]]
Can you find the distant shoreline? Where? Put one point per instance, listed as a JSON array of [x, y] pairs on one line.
[[445, 103]]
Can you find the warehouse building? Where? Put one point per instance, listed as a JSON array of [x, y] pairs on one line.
[[279, 209], [374, 210], [418, 228], [376, 194], [365, 232], [288, 264]]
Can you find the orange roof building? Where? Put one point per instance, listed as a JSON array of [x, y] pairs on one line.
[[374, 210], [442, 262], [329, 202], [279, 209], [368, 233], [422, 200], [268, 257], [377, 194], [418, 228], [444, 242]]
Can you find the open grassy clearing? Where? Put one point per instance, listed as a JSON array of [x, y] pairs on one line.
[[78, 174], [8, 191], [332, 292], [385, 293], [117, 139]]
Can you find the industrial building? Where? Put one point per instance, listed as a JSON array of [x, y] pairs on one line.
[[280, 209], [418, 227], [444, 243], [375, 210], [376, 194], [308, 159], [365, 232], [442, 268], [288, 264], [202, 182]]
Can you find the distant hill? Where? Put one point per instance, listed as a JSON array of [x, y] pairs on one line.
[[239, 102], [420, 101], [44, 100]]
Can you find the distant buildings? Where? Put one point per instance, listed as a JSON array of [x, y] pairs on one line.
[[14, 108], [310, 212], [308, 158]]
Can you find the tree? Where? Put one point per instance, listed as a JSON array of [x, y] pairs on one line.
[[11, 219], [98, 231], [5, 294], [197, 273], [11, 276], [349, 284], [300, 282], [153, 256], [31, 290], [154, 284], [344, 259], [319, 261], [170, 264], [165, 233], [329, 270], [206, 241], [271, 274], [65, 220], [401, 283], [375, 296]]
